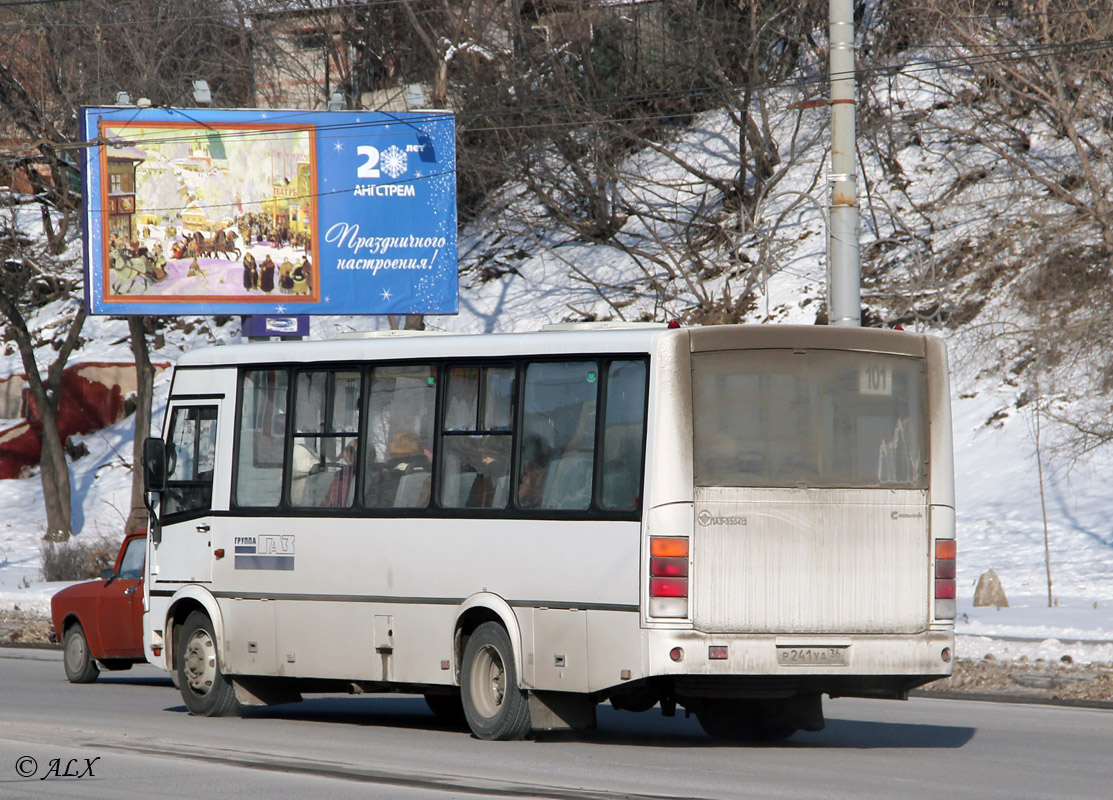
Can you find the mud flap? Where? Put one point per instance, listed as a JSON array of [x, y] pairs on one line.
[[263, 691], [559, 711]]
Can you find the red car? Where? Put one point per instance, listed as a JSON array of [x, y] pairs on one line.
[[101, 622]]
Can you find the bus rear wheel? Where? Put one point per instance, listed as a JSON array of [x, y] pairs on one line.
[[205, 689], [494, 705]]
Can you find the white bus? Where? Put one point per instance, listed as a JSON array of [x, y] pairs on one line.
[[735, 520]]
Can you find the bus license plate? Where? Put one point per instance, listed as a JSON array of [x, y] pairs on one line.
[[812, 656]]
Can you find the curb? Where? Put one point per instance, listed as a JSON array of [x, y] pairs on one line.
[[1017, 699], [30, 646]]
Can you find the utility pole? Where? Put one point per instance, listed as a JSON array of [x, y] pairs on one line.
[[844, 272]]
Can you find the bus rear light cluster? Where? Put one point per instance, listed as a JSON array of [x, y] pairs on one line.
[[945, 552], [668, 576]]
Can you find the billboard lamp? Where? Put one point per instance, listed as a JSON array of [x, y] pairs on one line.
[[201, 93]]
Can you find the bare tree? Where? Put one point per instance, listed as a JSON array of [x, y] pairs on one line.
[[560, 103], [31, 278], [144, 395], [55, 58], [1013, 106], [304, 50]]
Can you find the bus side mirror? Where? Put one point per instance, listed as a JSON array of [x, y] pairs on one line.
[[154, 465]]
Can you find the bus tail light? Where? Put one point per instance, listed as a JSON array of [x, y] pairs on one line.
[[668, 576], [668, 587], [668, 567], [945, 578], [668, 546]]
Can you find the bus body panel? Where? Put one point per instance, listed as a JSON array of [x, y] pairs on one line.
[[810, 561], [332, 583], [942, 482], [382, 559], [668, 458]]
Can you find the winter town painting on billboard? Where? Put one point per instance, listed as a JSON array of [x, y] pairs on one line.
[[269, 212]]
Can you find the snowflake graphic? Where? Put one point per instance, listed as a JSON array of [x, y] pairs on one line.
[[394, 161]]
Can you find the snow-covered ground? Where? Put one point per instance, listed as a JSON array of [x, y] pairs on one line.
[[999, 513], [1000, 527]]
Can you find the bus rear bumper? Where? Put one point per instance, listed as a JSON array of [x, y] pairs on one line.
[[710, 665]]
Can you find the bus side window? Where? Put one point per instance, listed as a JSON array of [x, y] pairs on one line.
[[559, 421], [398, 450], [475, 469], [326, 424], [261, 439], [623, 433], [190, 460]]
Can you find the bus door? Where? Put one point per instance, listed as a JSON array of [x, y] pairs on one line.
[[184, 555]]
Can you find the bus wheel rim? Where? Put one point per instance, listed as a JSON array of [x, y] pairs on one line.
[[488, 682], [199, 661]]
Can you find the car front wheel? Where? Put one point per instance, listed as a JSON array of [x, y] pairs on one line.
[[78, 661]]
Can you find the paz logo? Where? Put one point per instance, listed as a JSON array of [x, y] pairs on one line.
[[706, 518]]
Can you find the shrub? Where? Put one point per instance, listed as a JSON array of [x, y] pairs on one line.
[[78, 561]]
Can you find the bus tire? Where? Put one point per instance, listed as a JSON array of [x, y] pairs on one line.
[[495, 707], [204, 688], [76, 658]]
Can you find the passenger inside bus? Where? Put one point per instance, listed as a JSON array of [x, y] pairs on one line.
[[406, 456], [305, 463], [340, 491], [535, 464]]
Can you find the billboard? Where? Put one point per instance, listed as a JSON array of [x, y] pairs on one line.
[[222, 211]]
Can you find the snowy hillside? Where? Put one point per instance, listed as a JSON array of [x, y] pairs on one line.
[[519, 271]]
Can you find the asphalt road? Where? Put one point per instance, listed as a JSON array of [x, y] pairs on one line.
[[129, 736]]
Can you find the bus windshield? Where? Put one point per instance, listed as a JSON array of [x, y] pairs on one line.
[[816, 418]]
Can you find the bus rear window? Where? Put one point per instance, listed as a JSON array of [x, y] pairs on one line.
[[819, 418]]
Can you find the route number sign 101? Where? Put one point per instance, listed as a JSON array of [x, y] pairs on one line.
[[875, 378]]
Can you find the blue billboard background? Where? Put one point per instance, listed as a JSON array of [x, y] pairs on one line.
[[269, 212]]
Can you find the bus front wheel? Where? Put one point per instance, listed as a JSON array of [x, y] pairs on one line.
[[205, 689], [494, 705]]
